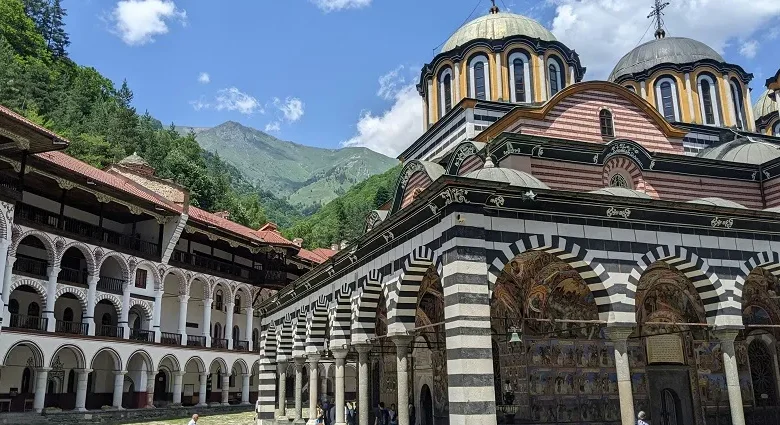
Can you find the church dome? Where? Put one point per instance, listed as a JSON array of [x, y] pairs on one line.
[[506, 175], [496, 26], [669, 50], [621, 191], [746, 150], [765, 105]]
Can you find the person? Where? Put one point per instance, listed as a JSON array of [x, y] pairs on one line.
[[320, 414], [393, 415], [194, 420], [332, 414], [325, 412], [349, 414], [411, 413], [641, 418], [380, 414]]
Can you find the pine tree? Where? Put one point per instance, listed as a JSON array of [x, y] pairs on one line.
[[38, 11], [382, 195], [57, 40]]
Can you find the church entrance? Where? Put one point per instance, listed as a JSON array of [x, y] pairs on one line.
[[426, 406], [670, 395]]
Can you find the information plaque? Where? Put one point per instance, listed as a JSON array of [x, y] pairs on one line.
[[665, 349]]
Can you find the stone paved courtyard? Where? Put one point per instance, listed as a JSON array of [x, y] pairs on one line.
[[246, 418]]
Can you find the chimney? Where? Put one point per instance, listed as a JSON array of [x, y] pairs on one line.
[[334, 247], [298, 242], [222, 214]]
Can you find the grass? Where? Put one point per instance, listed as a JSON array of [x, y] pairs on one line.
[[246, 418]]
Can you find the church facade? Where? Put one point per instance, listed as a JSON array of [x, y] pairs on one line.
[[556, 251]]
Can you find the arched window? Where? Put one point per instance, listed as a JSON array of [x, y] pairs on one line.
[[631, 89], [67, 315], [554, 75], [762, 373], [479, 78], [237, 305], [255, 337], [33, 310], [219, 380], [775, 132], [738, 104], [618, 180], [666, 99], [520, 77], [607, 126], [232, 378], [236, 333], [708, 100], [106, 320], [445, 91], [71, 382], [217, 331], [218, 299]]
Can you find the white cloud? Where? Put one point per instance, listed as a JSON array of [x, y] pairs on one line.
[[230, 99], [748, 49], [603, 30], [292, 108], [336, 5], [137, 22], [204, 78], [390, 83], [273, 127]]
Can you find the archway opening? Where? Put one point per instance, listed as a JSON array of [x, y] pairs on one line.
[[106, 320], [112, 276], [32, 258], [20, 368], [74, 268], [138, 367], [101, 391], [69, 313]]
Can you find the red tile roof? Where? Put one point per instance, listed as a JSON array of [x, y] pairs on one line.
[[310, 256], [325, 252], [18, 118], [267, 236]]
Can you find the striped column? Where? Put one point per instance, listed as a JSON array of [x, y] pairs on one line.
[[266, 388], [402, 351], [467, 323]]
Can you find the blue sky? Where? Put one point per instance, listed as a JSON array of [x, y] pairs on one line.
[[333, 72]]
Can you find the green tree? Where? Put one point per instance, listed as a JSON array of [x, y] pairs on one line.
[[20, 30], [94, 150], [57, 39], [382, 195]]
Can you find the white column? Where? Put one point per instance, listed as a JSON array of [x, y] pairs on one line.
[[619, 335], [543, 79], [730, 100], [183, 299], [431, 99], [363, 403], [690, 96], [499, 79], [157, 313], [313, 360], [119, 387], [4, 243], [249, 311], [125, 311], [726, 338], [225, 389], [89, 318], [82, 376], [207, 320], [456, 81], [299, 362], [7, 278], [340, 354], [177, 378], [51, 298], [281, 369], [751, 124], [402, 350], [572, 80], [41, 379], [150, 379], [204, 378], [229, 325], [643, 89], [245, 388]]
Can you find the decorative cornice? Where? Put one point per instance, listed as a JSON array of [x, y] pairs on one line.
[[22, 143]]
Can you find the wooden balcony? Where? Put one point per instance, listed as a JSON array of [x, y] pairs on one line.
[[233, 271]]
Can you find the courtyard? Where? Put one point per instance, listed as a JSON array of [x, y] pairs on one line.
[[245, 418]]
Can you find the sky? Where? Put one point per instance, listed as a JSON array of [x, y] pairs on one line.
[[335, 73]]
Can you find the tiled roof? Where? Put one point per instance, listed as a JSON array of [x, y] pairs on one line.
[[267, 236], [310, 256], [14, 116], [325, 252], [101, 177]]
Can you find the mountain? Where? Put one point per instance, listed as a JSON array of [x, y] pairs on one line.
[[303, 175]]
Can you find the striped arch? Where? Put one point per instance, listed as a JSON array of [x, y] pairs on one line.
[[285, 333], [299, 336], [33, 283], [81, 295], [316, 326], [415, 175], [340, 326], [365, 306], [51, 251], [144, 306], [769, 261], [707, 284], [268, 343], [133, 264], [625, 166], [402, 304], [101, 257], [92, 270], [205, 283], [113, 299], [245, 293], [607, 294], [465, 157], [183, 286]]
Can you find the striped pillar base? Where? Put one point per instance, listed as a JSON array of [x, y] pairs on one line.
[[266, 393]]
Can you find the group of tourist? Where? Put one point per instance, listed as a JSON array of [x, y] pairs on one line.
[[326, 413]]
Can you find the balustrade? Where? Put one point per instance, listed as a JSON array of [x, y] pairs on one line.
[[111, 331], [219, 343], [240, 345], [69, 275], [76, 328], [110, 284], [196, 341], [21, 321], [141, 335], [169, 338], [30, 266]]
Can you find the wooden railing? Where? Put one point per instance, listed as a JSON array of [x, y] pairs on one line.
[[72, 276], [169, 338], [196, 341], [76, 328], [30, 266], [141, 335], [21, 321], [234, 271], [111, 331], [240, 345], [219, 343], [110, 284]]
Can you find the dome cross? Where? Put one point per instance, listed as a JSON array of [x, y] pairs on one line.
[[657, 15], [494, 9]]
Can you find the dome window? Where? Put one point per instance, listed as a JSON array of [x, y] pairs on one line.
[[631, 89], [445, 90], [607, 125], [737, 103], [666, 99], [520, 77], [554, 74], [479, 78], [618, 180], [776, 130], [708, 100]]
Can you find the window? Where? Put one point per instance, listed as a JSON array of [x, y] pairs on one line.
[[445, 90], [217, 331], [26, 377], [666, 99], [236, 333], [775, 132], [762, 373], [140, 278], [737, 103], [232, 379], [33, 310], [218, 299], [106, 320], [219, 380], [237, 305], [607, 126], [708, 100], [519, 77], [554, 75], [631, 89], [255, 337], [67, 315], [479, 78], [618, 180]]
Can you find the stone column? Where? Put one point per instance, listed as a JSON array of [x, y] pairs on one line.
[[150, 379], [245, 388], [7, 280], [119, 388], [402, 350], [643, 90], [726, 338], [729, 99], [689, 90], [204, 379], [183, 299], [499, 78], [89, 317], [542, 76], [225, 389], [229, 325], [177, 378], [123, 315], [281, 370], [313, 360], [299, 362], [158, 294], [41, 379], [249, 311], [207, 320], [363, 403], [340, 354], [266, 392], [456, 82], [618, 336], [82, 376], [51, 298], [4, 243]]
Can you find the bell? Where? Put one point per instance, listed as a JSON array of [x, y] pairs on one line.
[[515, 337]]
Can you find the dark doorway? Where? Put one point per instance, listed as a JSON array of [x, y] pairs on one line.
[[426, 406], [670, 407], [670, 395], [762, 373], [160, 386]]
